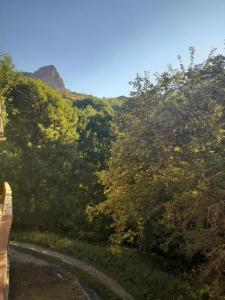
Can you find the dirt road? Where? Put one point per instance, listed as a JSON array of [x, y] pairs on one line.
[[106, 280], [35, 279]]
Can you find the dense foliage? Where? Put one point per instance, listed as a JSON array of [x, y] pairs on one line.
[[165, 183], [54, 149], [146, 172]]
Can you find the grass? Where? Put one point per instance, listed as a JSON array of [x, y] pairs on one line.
[[145, 277]]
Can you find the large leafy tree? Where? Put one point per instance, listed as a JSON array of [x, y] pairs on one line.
[[165, 182], [41, 137]]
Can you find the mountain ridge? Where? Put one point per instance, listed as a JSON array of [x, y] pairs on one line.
[[49, 75]]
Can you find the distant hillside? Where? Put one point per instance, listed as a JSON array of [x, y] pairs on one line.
[[51, 76], [73, 96]]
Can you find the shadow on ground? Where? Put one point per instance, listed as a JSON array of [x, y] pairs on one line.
[[32, 282]]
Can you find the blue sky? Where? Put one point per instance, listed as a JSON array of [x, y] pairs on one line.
[[99, 45]]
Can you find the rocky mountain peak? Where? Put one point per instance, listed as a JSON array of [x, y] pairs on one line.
[[49, 75]]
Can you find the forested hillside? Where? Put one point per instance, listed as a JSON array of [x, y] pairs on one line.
[[146, 172]]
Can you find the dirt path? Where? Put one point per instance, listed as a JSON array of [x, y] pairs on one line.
[[32, 278], [20, 257], [106, 280]]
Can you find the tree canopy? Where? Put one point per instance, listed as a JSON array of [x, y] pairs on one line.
[[146, 172], [164, 184]]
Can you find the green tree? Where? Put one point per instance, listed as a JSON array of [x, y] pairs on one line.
[[95, 137], [7, 77], [165, 183], [41, 137]]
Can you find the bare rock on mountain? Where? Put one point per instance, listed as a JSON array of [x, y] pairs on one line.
[[49, 75]]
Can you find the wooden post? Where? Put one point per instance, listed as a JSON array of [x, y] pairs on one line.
[[2, 136], [6, 217]]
